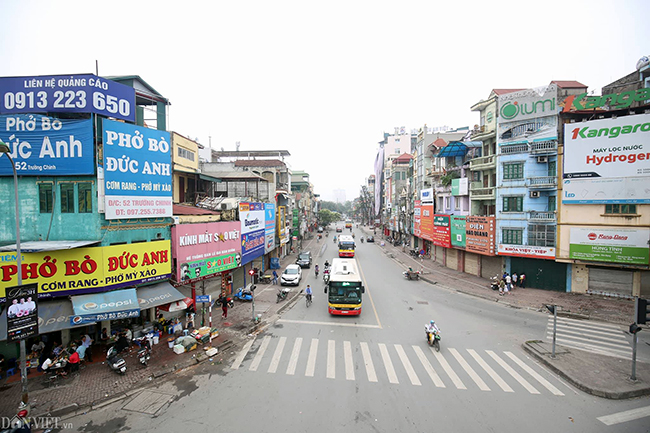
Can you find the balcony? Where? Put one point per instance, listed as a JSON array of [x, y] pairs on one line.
[[443, 189], [509, 149], [479, 192], [483, 163], [541, 217], [544, 148], [434, 171], [543, 182]]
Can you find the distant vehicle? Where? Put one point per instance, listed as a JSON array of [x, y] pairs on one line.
[[291, 276], [370, 239], [320, 229], [304, 259], [346, 246], [339, 229], [345, 288], [348, 224]]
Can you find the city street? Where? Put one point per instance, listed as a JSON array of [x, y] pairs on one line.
[[314, 372]]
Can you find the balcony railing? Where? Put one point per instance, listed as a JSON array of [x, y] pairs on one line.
[[434, 171], [542, 182], [483, 163], [544, 147], [482, 194], [509, 149], [536, 216]]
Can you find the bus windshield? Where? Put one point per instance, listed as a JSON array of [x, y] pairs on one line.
[[345, 293], [346, 245]]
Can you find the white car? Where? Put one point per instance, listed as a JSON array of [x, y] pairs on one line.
[[291, 276]]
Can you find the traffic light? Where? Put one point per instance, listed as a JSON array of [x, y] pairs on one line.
[[642, 311]]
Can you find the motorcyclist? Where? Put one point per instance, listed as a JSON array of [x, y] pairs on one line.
[[316, 269], [334, 239], [308, 292], [431, 327]]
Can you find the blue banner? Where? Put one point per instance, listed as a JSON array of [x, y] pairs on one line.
[[137, 171], [46, 146], [84, 93], [269, 220], [252, 246], [118, 304]]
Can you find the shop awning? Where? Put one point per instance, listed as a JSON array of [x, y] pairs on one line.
[[158, 294], [209, 178], [457, 148], [52, 316], [118, 304], [37, 246]]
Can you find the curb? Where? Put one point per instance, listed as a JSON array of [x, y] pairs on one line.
[[584, 387]]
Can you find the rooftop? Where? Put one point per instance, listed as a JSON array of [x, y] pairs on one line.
[[568, 84], [259, 163]]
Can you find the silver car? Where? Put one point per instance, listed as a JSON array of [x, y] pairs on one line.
[[291, 276]]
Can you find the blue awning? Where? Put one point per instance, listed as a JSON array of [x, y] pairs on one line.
[[118, 304], [457, 148]]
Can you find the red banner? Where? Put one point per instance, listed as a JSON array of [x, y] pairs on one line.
[[441, 231], [426, 221], [479, 235]]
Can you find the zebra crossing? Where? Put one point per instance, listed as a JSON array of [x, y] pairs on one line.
[[597, 337], [487, 370]]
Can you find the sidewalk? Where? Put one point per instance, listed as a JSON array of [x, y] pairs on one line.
[[595, 374], [96, 384]]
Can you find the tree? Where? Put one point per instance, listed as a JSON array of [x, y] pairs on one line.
[[326, 216]]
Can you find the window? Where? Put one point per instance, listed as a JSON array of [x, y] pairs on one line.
[[397, 149], [540, 235], [620, 208], [85, 190], [184, 153], [67, 198], [552, 168], [457, 203], [551, 203], [447, 203], [513, 204], [512, 236], [45, 197], [513, 171]]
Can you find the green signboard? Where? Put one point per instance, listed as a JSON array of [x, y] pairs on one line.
[[615, 245], [458, 231]]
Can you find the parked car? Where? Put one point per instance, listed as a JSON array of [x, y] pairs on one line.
[[370, 239], [291, 276], [304, 259]]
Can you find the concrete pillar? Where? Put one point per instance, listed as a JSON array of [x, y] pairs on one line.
[[636, 283], [65, 337]]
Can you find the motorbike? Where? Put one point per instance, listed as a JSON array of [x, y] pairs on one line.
[[245, 295], [411, 275], [361, 239], [334, 239], [326, 276], [494, 284], [433, 338], [144, 354], [115, 361], [282, 294], [414, 253]]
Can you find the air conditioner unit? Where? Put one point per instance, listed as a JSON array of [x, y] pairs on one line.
[[542, 159], [534, 194], [389, 205]]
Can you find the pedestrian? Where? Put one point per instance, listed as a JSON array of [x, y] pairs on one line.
[[87, 341], [275, 277], [508, 283], [505, 274], [224, 305], [502, 286], [522, 280], [514, 279]]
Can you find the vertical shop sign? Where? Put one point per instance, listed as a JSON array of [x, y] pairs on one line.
[[22, 313]]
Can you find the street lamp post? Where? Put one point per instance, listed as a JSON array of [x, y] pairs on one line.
[[4, 149]]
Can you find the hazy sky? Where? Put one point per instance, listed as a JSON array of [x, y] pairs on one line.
[[324, 80]]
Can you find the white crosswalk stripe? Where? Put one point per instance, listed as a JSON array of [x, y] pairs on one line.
[[492, 364], [598, 337]]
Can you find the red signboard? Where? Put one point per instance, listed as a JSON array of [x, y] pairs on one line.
[[441, 231], [426, 221], [479, 235]]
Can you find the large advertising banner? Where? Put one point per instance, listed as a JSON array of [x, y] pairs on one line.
[[528, 104], [137, 171], [617, 245], [283, 233], [46, 146], [252, 246], [441, 231], [22, 312], [203, 250], [426, 222], [479, 233], [85, 93], [458, 231], [526, 251], [88, 270], [269, 220], [417, 213], [607, 160], [253, 230]]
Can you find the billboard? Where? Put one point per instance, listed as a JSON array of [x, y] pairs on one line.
[[460, 186], [203, 250], [479, 235], [528, 104], [616, 245], [47, 146], [269, 221], [607, 161], [441, 231], [84, 93], [417, 212], [526, 251], [88, 270], [426, 195], [252, 218], [426, 221], [458, 231], [22, 312], [137, 171]]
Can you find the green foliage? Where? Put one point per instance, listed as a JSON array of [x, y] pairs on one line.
[[447, 178], [326, 216], [342, 208]]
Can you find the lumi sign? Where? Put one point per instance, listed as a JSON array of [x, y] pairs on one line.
[[616, 100], [528, 104]]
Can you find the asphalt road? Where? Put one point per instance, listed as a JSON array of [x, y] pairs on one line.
[[375, 373]]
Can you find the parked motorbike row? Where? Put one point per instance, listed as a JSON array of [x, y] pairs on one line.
[[411, 275]]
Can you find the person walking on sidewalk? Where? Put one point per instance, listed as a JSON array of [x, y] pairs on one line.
[[522, 280], [224, 305], [508, 283], [275, 277], [514, 279], [86, 342]]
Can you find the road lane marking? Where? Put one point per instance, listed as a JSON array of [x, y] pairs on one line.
[[388, 364], [585, 323], [293, 359], [535, 374], [367, 360], [450, 372], [365, 284], [349, 325], [260, 353], [468, 368], [607, 334], [493, 374], [590, 339], [592, 348], [428, 367], [530, 388], [275, 361], [628, 415], [349, 363], [331, 359], [242, 354], [311, 361], [407, 365]]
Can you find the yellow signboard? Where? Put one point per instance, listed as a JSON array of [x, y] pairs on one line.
[[87, 270]]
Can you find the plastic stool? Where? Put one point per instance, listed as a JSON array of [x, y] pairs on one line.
[[11, 371]]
